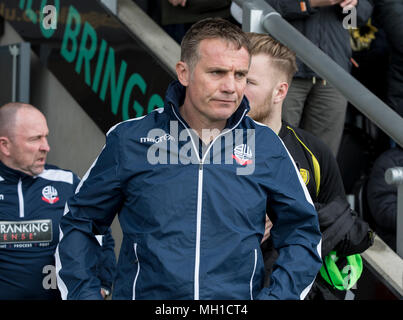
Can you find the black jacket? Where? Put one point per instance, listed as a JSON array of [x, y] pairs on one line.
[[324, 27], [324, 185], [341, 229], [388, 16], [382, 197]]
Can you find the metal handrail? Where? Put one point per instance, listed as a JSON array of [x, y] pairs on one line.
[[259, 16], [364, 100]]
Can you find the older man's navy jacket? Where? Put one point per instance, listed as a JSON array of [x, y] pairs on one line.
[[30, 213]]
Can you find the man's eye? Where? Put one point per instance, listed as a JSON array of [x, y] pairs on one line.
[[35, 138]]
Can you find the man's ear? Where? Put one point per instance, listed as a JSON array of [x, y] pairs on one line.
[[183, 73], [280, 92], [5, 146]]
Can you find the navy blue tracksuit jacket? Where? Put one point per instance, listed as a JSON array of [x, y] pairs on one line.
[[192, 215], [30, 212]]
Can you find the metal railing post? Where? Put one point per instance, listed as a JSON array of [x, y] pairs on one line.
[[394, 176], [251, 18]]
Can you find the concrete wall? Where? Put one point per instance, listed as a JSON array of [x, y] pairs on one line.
[[152, 35], [75, 140]]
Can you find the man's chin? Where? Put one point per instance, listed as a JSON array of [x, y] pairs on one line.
[[256, 117], [37, 170], [224, 114]]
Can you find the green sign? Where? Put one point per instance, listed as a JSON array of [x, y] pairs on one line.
[[110, 72]]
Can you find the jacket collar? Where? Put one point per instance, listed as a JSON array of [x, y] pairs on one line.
[[7, 173], [175, 97], [284, 130]]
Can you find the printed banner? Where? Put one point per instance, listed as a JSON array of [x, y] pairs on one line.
[[108, 71]]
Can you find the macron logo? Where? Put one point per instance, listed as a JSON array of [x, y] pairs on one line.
[[165, 137]]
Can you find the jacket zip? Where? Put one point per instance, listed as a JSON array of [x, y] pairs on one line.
[[200, 198], [198, 230], [20, 199], [137, 273], [253, 275]]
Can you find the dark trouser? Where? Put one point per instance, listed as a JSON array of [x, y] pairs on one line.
[[316, 107]]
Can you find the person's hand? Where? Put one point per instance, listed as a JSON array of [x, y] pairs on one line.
[[324, 3], [104, 293], [177, 2], [267, 228], [348, 3]]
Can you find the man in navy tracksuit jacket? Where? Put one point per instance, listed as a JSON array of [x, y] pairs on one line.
[[32, 201], [192, 209]]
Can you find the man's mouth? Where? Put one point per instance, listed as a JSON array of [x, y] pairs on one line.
[[224, 100], [41, 160]]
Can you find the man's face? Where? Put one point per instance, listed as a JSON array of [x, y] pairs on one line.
[[28, 142], [216, 84], [260, 86]]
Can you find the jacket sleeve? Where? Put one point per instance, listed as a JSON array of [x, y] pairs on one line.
[[88, 213], [295, 233], [358, 239], [387, 15], [106, 267], [331, 184], [342, 230], [364, 11], [382, 197], [292, 9]]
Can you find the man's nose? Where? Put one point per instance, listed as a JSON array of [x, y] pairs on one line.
[[45, 145], [228, 84]]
